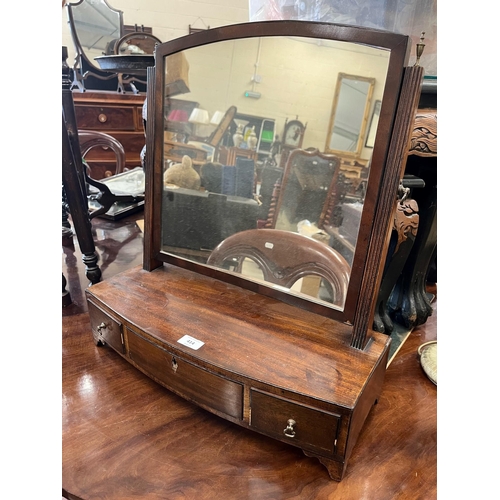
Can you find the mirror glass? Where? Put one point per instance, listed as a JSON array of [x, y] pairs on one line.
[[215, 189], [370, 136], [350, 108], [307, 184], [97, 25]]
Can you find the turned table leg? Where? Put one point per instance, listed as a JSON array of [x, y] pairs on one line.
[[73, 179]]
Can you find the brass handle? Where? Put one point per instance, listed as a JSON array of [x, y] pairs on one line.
[[102, 326], [289, 432], [102, 118]]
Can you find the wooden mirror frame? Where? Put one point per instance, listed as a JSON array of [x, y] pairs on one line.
[[359, 144], [399, 103]]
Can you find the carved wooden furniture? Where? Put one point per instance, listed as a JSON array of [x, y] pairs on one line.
[[409, 303], [405, 227], [118, 115], [307, 191], [300, 370], [73, 178], [93, 139], [270, 250]]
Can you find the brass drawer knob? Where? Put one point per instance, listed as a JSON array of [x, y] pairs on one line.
[[100, 328], [102, 118], [289, 431]]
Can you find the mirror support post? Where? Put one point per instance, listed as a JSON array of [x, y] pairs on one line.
[[151, 235], [379, 242]]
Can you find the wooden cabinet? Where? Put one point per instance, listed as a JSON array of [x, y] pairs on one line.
[[119, 115]]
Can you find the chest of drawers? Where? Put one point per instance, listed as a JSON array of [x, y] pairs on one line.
[[119, 115]]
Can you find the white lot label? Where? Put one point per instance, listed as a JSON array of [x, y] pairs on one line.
[[191, 342]]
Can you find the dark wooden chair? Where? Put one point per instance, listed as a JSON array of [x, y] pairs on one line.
[[92, 138], [270, 249]]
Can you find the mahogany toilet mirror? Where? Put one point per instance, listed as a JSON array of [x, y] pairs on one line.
[[249, 346]]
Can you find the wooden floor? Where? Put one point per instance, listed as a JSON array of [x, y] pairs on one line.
[[125, 437]]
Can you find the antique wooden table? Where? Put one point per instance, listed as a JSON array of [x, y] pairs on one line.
[[125, 437]]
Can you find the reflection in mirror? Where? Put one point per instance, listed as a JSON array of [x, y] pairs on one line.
[[349, 114], [309, 181], [220, 183], [370, 137], [136, 43], [97, 25], [312, 285]]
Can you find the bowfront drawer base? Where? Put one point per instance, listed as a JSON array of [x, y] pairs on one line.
[[185, 379], [253, 369]]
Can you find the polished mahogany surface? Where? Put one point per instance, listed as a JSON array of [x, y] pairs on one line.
[[125, 437]]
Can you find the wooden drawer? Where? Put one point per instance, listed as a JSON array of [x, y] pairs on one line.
[[106, 329], [195, 384], [313, 429], [105, 118], [132, 144]]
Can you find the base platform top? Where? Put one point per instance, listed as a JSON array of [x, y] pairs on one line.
[[249, 334]]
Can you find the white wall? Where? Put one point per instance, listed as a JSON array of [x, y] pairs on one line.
[[170, 18], [284, 82], [298, 78]]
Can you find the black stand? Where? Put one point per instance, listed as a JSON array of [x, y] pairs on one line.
[[73, 178]]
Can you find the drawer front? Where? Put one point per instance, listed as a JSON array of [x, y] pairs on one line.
[[186, 379], [289, 421], [105, 328], [132, 144], [105, 118]]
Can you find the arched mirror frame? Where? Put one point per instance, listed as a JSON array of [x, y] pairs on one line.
[[380, 194], [364, 121]]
